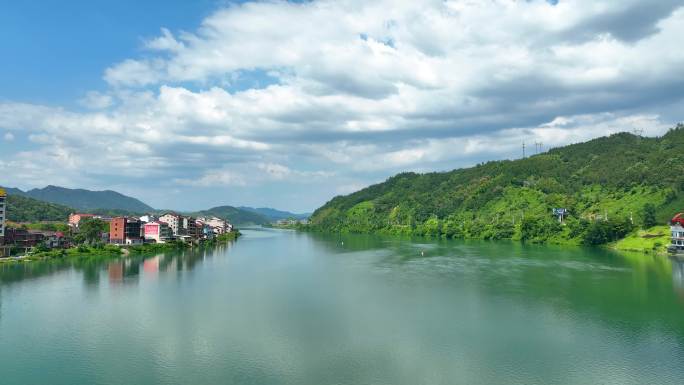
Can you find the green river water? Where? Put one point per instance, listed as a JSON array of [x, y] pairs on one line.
[[279, 307]]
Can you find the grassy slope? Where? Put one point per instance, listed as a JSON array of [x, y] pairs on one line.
[[652, 240]]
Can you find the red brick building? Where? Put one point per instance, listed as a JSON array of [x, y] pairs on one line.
[[117, 230], [123, 230]]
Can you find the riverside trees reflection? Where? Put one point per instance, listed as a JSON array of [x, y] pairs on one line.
[[125, 270]]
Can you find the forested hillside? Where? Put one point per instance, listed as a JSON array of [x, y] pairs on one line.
[[609, 185], [25, 209]]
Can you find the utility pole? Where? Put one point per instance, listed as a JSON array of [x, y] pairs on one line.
[[538, 147], [523, 149]]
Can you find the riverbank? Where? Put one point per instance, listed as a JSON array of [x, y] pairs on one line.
[[653, 240], [106, 251]]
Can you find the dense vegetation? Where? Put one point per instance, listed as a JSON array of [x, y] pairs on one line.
[[24, 209], [610, 186]]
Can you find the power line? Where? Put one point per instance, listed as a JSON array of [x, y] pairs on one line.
[[538, 147]]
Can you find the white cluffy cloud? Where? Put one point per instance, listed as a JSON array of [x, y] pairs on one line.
[[282, 91]]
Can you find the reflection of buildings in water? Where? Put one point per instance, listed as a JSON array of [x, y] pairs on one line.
[[678, 274], [151, 266], [185, 260], [131, 269], [120, 270], [116, 271], [171, 265]]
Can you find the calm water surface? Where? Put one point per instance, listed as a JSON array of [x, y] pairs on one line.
[[278, 307]]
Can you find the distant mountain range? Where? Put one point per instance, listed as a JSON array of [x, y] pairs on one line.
[[275, 215], [235, 215], [54, 203], [84, 200]]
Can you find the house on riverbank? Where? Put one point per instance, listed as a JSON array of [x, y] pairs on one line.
[[125, 231], [158, 231], [677, 234]]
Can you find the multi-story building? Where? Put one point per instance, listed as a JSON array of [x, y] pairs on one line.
[[677, 230], [23, 238], [174, 221], [219, 225], [124, 230], [158, 232], [3, 214], [117, 229], [190, 228], [134, 231]]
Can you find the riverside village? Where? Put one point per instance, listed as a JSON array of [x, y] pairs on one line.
[[20, 240], [119, 231]]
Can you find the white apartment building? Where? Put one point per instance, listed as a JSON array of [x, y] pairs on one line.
[[174, 221]]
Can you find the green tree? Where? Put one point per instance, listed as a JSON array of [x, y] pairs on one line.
[[601, 232], [90, 230], [649, 215], [598, 233]]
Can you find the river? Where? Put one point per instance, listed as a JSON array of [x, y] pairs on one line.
[[279, 307]]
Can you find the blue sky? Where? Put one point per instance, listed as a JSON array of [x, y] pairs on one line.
[[57, 50], [192, 104]]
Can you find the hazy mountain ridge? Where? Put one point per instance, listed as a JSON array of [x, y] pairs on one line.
[[235, 215], [40, 205], [275, 214], [84, 200]]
